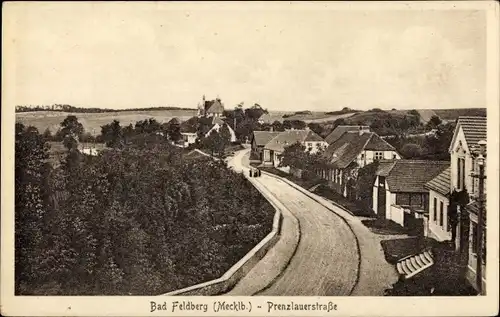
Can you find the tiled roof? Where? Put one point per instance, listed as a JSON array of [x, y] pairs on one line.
[[313, 137], [214, 106], [410, 176], [376, 143], [287, 138], [263, 137], [340, 130], [474, 129], [217, 120], [384, 167], [342, 152], [441, 183], [174, 121]]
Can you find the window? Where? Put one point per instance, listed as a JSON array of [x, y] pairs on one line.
[[394, 156], [461, 174], [415, 200], [434, 214], [379, 155], [441, 214], [473, 179], [362, 156], [402, 199], [309, 144]]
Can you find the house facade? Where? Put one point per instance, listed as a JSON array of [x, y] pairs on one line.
[[438, 226], [399, 192], [350, 152], [258, 141], [217, 124], [276, 146], [464, 150], [189, 138]]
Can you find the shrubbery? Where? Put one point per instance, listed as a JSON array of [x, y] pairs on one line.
[[137, 220]]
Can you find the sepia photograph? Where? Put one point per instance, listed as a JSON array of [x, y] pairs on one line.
[[176, 150]]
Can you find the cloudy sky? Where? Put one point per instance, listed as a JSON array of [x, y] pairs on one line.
[[282, 57]]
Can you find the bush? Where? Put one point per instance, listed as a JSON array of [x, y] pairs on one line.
[[146, 224]]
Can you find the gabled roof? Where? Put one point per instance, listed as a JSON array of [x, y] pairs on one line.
[[217, 120], [474, 129], [174, 121], [441, 183], [410, 176], [342, 152], [376, 143], [263, 137], [340, 130], [385, 167], [287, 138], [214, 106]]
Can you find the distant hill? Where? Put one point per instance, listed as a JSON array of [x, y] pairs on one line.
[[315, 116], [453, 114], [92, 122]]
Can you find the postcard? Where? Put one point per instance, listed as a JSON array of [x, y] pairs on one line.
[[250, 158]]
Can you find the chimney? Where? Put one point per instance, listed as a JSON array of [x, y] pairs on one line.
[[271, 129], [307, 128]]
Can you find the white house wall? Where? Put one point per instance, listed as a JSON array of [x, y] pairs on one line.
[[375, 196], [369, 157], [435, 230], [454, 161], [216, 127], [397, 214]]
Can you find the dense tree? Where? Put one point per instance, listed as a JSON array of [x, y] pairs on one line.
[[173, 131], [112, 134], [411, 150], [316, 127], [71, 127], [277, 126], [128, 227], [47, 135], [434, 122], [31, 201]]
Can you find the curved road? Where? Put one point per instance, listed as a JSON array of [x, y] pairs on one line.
[[327, 257]]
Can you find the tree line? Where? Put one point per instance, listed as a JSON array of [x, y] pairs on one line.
[[69, 108], [140, 218]]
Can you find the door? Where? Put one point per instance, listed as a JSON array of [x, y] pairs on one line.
[[381, 212]]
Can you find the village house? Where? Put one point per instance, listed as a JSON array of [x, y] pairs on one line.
[[258, 140], [210, 108], [341, 129], [351, 151], [276, 146], [438, 226], [216, 124], [399, 193], [189, 138], [466, 153]]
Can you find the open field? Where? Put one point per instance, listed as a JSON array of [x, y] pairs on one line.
[[316, 116], [453, 114], [92, 122]]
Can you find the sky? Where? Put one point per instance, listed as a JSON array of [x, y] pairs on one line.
[[284, 58]]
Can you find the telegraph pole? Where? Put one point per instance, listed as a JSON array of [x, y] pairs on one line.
[[480, 217]]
